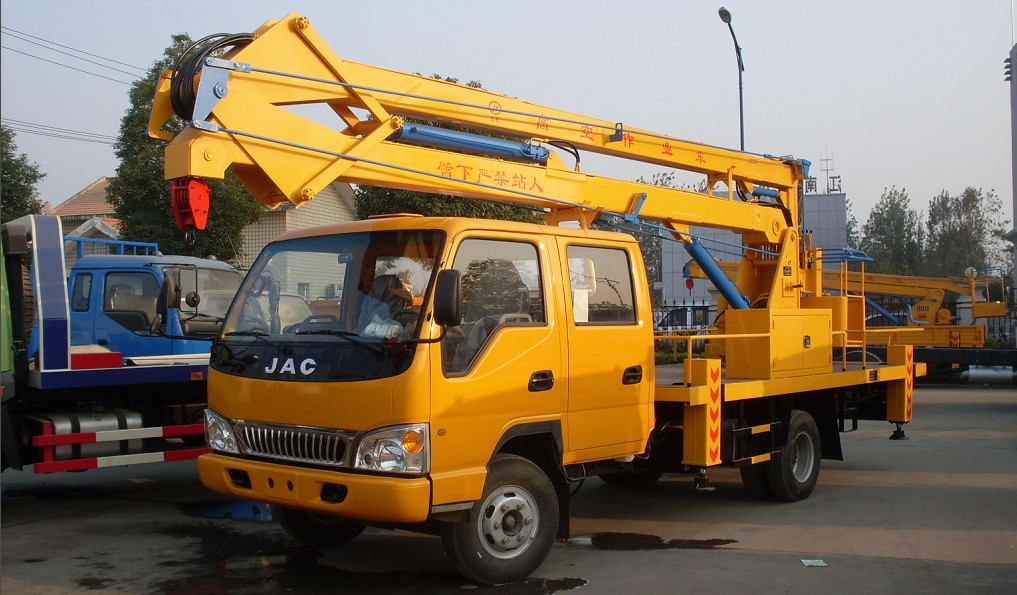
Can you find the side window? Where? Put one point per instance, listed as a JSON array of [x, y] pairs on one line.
[[81, 292], [130, 299], [601, 283], [501, 287]]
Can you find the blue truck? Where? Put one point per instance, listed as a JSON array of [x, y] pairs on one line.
[[104, 364]]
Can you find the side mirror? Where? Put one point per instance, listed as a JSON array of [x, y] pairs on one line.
[[169, 293], [192, 299], [448, 298]]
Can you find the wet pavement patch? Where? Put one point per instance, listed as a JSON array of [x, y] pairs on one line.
[[94, 584], [640, 542], [241, 510], [230, 561]]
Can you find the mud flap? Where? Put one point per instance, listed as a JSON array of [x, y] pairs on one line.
[[900, 393], [701, 436]]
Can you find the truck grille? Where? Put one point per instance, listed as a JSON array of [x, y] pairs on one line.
[[316, 446]]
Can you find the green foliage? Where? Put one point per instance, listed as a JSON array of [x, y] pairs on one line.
[[964, 231], [893, 236], [372, 200], [854, 238], [141, 197], [19, 180]]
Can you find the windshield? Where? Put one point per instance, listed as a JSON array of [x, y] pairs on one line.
[[215, 289], [350, 299]]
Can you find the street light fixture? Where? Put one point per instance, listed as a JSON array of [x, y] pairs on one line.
[[725, 16]]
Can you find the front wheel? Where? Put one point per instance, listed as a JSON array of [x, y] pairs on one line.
[[510, 530], [793, 472], [314, 528]]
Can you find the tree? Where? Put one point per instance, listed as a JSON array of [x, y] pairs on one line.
[[892, 235], [373, 200], [141, 197], [18, 182], [854, 239], [964, 231]]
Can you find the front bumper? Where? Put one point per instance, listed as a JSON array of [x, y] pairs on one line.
[[369, 498]]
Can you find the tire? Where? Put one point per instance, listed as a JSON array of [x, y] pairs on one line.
[[792, 474], [635, 479], [316, 528], [510, 530], [755, 481]]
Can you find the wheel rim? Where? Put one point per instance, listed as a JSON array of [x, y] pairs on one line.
[[508, 522], [803, 457]]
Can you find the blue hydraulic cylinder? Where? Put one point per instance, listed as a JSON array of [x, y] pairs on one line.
[[431, 136], [729, 290]]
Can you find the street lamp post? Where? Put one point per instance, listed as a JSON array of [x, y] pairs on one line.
[[725, 15]]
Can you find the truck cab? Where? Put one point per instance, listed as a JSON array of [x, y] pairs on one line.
[[138, 305]]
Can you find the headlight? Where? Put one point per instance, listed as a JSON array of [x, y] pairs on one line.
[[400, 449], [219, 433]]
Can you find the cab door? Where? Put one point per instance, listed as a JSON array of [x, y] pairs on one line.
[[500, 373], [610, 351]]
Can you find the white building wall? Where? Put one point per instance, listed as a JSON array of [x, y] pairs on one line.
[[333, 205]]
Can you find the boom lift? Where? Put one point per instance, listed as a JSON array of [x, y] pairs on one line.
[[527, 362], [950, 349], [929, 309]]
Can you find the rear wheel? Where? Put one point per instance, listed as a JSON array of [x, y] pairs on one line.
[[792, 473], [509, 531], [315, 528]]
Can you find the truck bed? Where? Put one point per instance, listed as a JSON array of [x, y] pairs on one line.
[[670, 384]]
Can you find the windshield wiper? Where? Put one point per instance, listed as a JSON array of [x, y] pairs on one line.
[[250, 333], [257, 334], [192, 316]]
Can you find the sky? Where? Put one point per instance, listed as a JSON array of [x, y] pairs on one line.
[[907, 93]]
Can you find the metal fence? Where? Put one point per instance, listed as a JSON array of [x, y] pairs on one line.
[[1002, 330], [676, 319], [684, 315]]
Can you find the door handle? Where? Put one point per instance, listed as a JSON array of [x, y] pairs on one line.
[[632, 375], [541, 381]]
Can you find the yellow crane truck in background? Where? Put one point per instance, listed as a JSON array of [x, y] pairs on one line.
[[951, 350], [473, 369]]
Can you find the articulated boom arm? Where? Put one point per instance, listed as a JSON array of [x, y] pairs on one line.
[[930, 290], [245, 118]]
